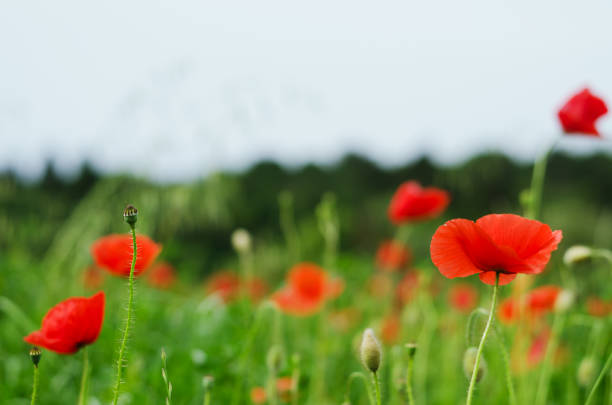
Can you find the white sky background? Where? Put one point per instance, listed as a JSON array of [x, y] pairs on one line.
[[173, 90]]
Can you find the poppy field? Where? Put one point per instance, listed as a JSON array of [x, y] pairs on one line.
[[485, 284]]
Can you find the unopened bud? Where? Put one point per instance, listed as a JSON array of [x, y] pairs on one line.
[[130, 215], [587, 371], [469, 361], [411, 347], [370, 351], [564, 301], [241, 240], [577, 254], [207, 382], [35, 354], [275, 359]]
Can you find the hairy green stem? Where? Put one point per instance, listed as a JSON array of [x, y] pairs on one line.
[[128, 321], [482, 342], [506, 360], [84, 378], [376, 388], [409, 380], [34, 386], [544, 382], [600, 378]]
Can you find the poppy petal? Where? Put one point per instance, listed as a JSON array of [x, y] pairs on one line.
[[488, 277], [531, 240], [448, 248]]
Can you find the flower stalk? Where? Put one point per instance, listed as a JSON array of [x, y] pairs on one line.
[[482, 342], [84, 378], [35, 357], [130, 215]]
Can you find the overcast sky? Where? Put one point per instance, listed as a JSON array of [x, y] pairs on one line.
[[173, 92]]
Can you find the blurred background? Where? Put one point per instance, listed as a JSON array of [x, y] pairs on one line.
[[201, 114]]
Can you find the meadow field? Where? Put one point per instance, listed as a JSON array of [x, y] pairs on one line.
[[258, 287]]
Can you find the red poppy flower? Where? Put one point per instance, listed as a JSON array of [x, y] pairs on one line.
[[392, 255], [256, 288], [114, 253], [309, 286], [93, 278], [598, 307], [580, 112], [161, 276], [537, 349], [258, 395], [411, 202], [498, 243], [70, 325], [284, 386], [390, 329], [225, 283], [463, 297], [542, 299]]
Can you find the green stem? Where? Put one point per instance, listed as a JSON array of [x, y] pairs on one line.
[[34, 386], [600, 378], [207, 397], [409, 380], [128, 321], [352, 377], [506, 359], [537, 184], [244, 355], [84, 378], [482, 342], [544, 382], [376, 388]]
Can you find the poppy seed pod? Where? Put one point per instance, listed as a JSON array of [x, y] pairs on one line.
[[35, 354], [241, 240], [587, 371], [577, 254], [469, 361], [412, 348], [130, 215], [370, 351]]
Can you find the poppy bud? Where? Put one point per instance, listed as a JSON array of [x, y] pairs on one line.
[[469, 361], [275, 359], [411, 347], [35, 354], [577, 254], [241, 240], [130, 215], [370, 351], [207, 382], [564, 301], [587, 370]]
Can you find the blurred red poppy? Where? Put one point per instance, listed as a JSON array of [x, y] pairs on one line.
[[579, 114], [308, 287], [411, 203], [538, 302], [93, 278], [537, 349], [498, 243], [463, 297], [256, 288], [284, 387], [70, 325], [392, 255], [162, 276], [598, 307], [258, 395], [225, 283], [390, 329], [114, 253], [407, 287]]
